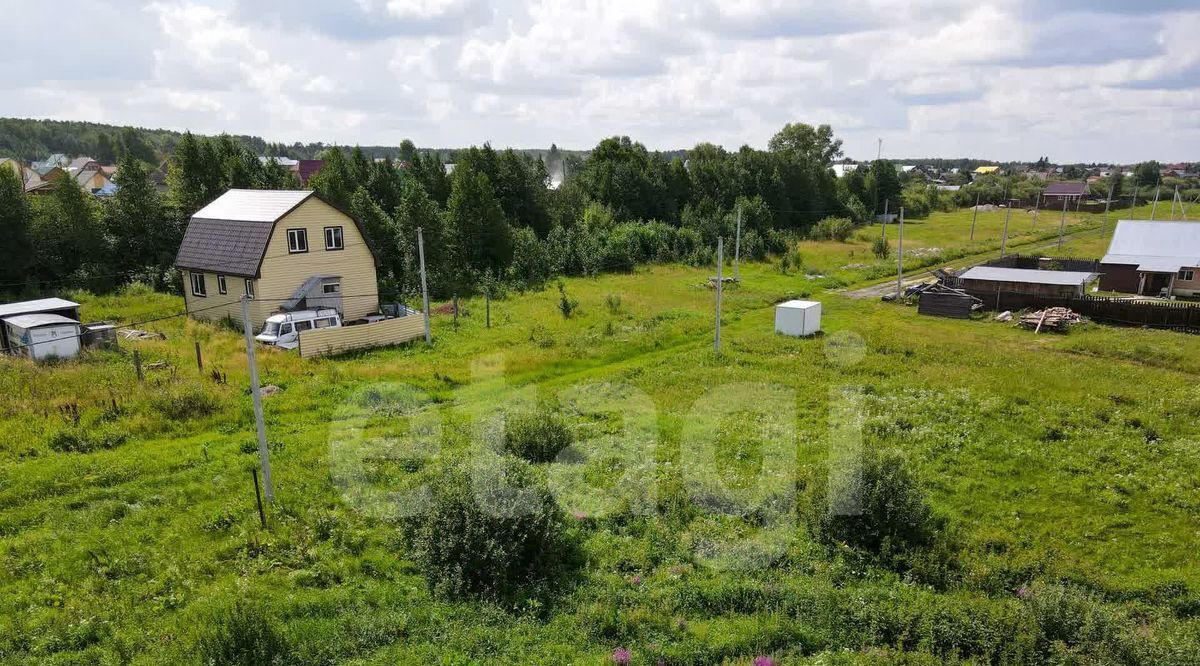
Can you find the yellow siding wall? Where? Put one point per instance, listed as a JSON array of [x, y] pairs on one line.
[[282, 273], [217, 306], [324, 341]]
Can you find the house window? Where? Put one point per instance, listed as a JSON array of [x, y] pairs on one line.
[[331, 288], [198, 285], [249, 288], [1187, 275], [333, 238], [221, 284], [297, 240]]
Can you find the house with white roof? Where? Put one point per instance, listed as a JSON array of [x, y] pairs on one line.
[[1153, 259]]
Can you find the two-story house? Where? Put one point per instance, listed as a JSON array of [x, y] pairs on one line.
[[286, 249]]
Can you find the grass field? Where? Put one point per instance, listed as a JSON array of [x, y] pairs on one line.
[[1066, 468]]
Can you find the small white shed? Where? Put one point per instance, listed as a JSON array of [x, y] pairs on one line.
[[798, 318], [42, 336]]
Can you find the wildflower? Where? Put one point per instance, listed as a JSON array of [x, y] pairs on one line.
[[764, 661], [1024, 592], [579, 515], [621, 656], [635, 581]]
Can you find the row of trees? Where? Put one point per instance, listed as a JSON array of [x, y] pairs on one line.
[[491, 218]]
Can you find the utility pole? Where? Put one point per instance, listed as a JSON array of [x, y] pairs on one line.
[[1107, 203], [1154, 208], [720, 262], [883, 222], [1174, 198], [1062, 223], [1134, 204], [1004, 237], [1037, 203], [264, 458], [879, 153], [900, 258], [737, 247], [975, 216], [424, 284]]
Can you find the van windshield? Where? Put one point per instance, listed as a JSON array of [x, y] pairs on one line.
[[270, 328]]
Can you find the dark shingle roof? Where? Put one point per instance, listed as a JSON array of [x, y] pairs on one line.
[[1066, 189], [232, 247]]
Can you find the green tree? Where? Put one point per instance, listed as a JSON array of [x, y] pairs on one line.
[[187, 181], [380, 231], [482, 236], [1147, 174], [68, 237], [407, 151], [335, 182], [15, 223], [799, 140], [136, 221], [418, 211], [884, 186]]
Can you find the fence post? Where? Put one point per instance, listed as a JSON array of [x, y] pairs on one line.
[[199, 358], [137, 365]]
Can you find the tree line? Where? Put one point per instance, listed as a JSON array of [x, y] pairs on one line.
[[492, 218]]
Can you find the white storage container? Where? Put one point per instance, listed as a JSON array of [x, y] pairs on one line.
[[798, 318]]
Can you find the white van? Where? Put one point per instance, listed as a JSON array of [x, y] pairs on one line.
[[283, 329]]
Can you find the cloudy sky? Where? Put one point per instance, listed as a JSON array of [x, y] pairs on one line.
[[1012, 79]]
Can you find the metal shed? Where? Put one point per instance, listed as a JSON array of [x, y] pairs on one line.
[[42, 336], [55, 306]]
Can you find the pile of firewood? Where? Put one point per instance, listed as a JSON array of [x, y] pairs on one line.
[[1052, 319]]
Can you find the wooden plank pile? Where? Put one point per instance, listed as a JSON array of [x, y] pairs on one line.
[[1052, 319]]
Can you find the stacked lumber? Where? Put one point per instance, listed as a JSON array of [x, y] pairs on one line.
[[1053, 319]]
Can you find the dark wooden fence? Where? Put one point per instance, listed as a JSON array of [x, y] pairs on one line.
[[1155, 314]]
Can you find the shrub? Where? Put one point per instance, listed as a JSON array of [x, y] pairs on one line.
[[487, 536], [566, 305], [832, 228], [887, 514], [180, 402], [1068, 617], [613, 303], [244, 634], [880, 248], [79, 439], [537, 436]]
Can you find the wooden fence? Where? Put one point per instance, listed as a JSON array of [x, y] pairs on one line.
[[1155, 314], [326, 341]]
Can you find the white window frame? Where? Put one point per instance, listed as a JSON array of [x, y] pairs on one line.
[[199, 289], [249, 286], [337, 235], [221, 286], [326, 291], [1186, 274], [297, 238]]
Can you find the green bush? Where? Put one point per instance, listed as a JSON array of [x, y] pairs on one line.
[[80, 439], [880, 248], [180, 402], [244, 634], [489, 534], [566, 305], [537, 436], [832, 228], [887, 515]]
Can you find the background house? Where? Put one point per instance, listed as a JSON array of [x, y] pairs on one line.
[[1058, 192], [287, 249], [1153, 258]]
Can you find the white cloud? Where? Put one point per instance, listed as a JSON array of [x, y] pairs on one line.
[[1003, 78]]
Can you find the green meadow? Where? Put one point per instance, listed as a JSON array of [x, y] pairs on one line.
[[1063, 470]]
